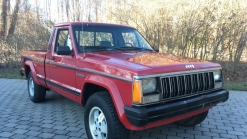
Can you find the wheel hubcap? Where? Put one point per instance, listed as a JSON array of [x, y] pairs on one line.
[[31, 87], [97, 123]]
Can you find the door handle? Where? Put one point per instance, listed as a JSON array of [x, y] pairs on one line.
[[51, 57]]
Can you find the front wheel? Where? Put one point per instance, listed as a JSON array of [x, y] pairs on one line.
[[193, 120], [36, 92], [101, 120]]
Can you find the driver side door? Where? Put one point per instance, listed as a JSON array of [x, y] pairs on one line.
[[62, 73]]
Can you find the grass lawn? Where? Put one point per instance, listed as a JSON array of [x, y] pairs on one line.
[[240, 86], [10, 74]]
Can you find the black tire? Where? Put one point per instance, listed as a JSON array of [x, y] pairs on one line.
[[102, 102], [193, 120], [39, 92]]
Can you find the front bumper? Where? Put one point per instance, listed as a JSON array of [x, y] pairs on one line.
[[141, 116]]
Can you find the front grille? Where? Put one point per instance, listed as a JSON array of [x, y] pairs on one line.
[[186, 85]]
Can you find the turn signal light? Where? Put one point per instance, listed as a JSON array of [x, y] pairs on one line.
[[137, 92]]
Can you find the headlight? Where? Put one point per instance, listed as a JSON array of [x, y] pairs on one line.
[[148, 85], [218, 79], [217, 75], [144, 91]]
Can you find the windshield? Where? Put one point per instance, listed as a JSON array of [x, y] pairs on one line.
[[102, 38]]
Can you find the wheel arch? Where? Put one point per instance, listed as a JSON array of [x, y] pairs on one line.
[[27, 70], [29, 67], [104, 84], [89, 89]]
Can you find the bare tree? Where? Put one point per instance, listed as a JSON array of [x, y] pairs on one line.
[[96, 9], [48, 9], [209, 30], [14, 19], [3, 19], [67, 9]]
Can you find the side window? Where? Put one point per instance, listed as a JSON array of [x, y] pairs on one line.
[[130, 39], [63, 39]]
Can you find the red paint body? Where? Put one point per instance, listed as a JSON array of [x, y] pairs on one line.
[[123, 64]]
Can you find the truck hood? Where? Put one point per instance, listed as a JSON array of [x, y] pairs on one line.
[[159, 59], [147, 62]]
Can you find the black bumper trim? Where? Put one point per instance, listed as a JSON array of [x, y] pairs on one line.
[[140, 116]]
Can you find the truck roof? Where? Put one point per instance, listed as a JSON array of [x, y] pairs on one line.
[[91, 23]]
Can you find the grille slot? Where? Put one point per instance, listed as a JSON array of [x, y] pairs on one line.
[[185, 85]]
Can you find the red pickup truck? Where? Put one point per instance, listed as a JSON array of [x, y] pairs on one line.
[[122, 82]]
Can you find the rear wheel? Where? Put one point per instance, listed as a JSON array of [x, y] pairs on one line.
[[101, 120], [193, 120], [36, 92]]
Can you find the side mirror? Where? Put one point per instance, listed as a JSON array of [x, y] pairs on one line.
[[155, 48], [63, 50]]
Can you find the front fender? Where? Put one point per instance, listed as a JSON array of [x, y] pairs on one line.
[[114, 93]]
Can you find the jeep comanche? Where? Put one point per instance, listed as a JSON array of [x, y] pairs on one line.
[[124, 84]]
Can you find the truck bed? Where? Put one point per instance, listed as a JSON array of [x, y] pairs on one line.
[[36, 60], [34, 53]]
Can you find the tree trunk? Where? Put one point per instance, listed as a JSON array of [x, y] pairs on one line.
[[62, 10], [14, 19], [78, 14], [8, 5], [67, 9], [96, 4], [3, 18], [73, 7], [58, 10], [239, 50]]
